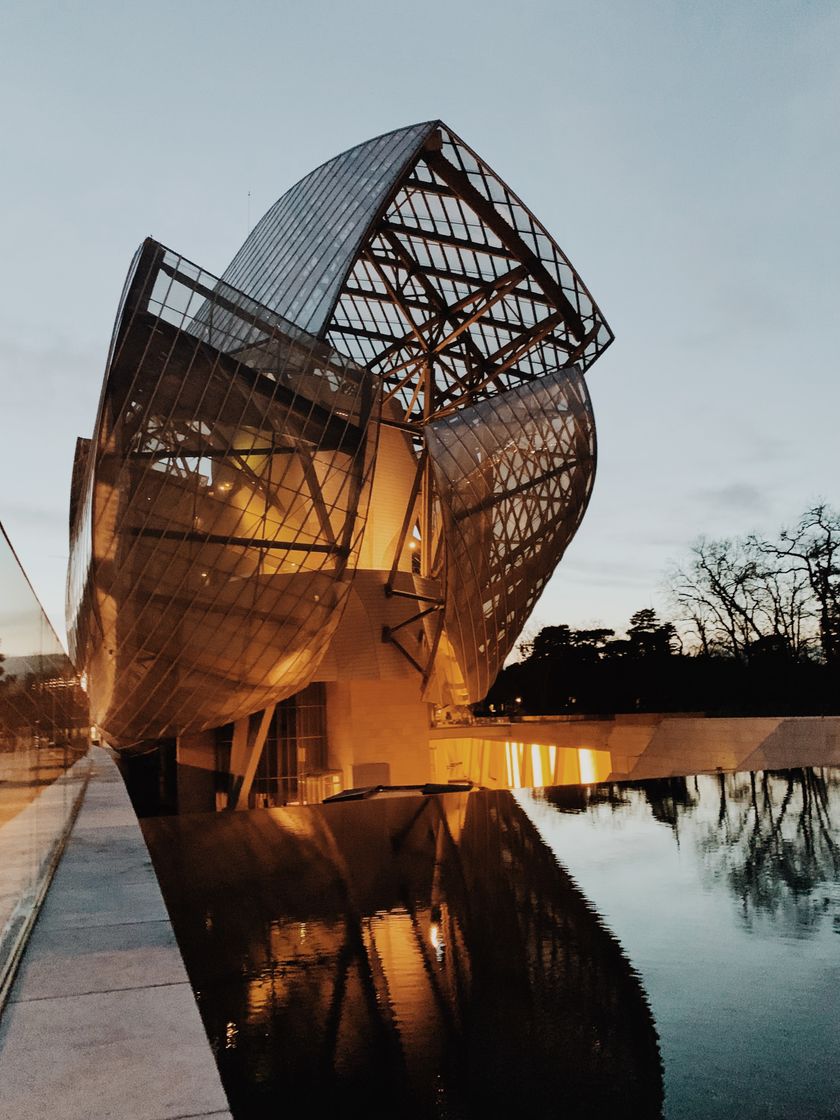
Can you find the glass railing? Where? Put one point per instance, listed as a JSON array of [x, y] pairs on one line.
[[43, 743]]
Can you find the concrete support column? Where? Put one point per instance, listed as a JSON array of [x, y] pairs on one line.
[[249, 736], [196, 772], [378, 731]]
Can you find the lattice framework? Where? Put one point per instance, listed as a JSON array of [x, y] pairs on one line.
[[458, 295], [225, 499]]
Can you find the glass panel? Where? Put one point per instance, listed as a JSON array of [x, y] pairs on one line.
[[43, 738], [292, 769], [514, 473]]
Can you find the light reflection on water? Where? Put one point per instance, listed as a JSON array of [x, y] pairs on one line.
[[433, 957], [426, 957], [724, 891]]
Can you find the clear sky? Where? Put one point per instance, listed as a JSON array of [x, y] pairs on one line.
[[685, 156]]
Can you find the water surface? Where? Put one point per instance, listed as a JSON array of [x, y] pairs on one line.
[[724, 891], [666, 947], [419, 956]]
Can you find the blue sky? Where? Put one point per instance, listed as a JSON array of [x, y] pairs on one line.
[[686, 157]]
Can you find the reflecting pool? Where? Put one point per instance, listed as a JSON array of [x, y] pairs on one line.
[[661, 947], [724, 891], [418, 957]]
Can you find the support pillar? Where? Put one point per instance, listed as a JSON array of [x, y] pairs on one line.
[[249, 736]]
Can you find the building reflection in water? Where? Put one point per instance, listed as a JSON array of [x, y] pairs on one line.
[[42, 705], [426, 956], [44, 724]]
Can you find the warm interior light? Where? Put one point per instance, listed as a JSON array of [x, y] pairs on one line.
[[513, 770], [536, 765], [588, 766]]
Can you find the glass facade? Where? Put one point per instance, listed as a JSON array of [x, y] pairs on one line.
[[384, 389], [43, 737], [292, 768], [221, 509]]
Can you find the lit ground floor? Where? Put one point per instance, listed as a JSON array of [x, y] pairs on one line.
[[336, 736]]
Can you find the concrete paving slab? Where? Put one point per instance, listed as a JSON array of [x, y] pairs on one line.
[[118, 843], [78, 874], [200, 1116], [65, 962], [121, 1055], [98, 818], [111, 902], [128, 863]]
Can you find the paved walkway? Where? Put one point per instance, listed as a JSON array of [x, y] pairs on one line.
[[102, 1021]]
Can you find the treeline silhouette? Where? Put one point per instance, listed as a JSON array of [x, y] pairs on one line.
[[757, 632], [592, 671]]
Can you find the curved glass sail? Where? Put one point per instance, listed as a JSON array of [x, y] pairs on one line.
[[225, 498], [513, 474], [296, 257]]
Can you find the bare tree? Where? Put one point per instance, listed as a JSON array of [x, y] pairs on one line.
[[810, 554], [717, 594], [735, 593], [787, 607]]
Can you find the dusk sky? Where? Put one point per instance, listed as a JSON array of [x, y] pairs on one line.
[[684, 155]]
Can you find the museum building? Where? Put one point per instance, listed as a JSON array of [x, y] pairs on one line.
[[324, 491]]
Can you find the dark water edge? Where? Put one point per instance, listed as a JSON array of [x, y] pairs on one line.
[[423, 956]]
